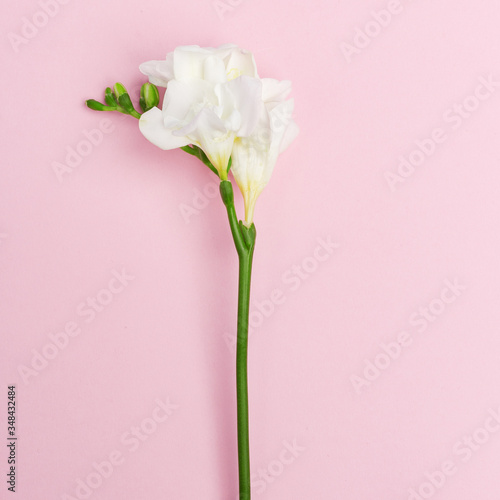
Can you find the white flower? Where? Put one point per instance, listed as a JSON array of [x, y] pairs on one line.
[[191, 61], [255, 156], [213, 96]]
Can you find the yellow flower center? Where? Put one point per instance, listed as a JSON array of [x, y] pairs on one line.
[[233, 73]]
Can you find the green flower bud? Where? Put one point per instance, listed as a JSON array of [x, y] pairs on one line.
[[226, 193], [150, 97], [120, 89], [96, 105], [124, 100], [110, 98]]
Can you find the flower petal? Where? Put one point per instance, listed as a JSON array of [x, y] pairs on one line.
[[282, 130], [208, 131], [290, 134], [275, 90], [159, 72], [214, 70], [240, 62], [151, 126], [184, 99], [189, 61], [246, 95]]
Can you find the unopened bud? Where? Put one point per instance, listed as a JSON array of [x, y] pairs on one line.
[[110, 98], [150, 97], [124, 99], [96, 105], [226, 192]]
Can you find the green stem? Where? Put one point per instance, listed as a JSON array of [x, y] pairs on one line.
[[244, 240]]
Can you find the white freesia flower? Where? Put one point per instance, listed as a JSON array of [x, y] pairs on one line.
[[255, 156], [191, 61], [213, 96]]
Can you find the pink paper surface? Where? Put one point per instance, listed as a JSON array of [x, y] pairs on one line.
[[374, 357]]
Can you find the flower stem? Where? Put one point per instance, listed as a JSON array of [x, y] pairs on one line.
[[244, 240]]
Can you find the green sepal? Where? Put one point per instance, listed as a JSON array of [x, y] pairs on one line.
[[249, 234], [200, 154], [150, 97]]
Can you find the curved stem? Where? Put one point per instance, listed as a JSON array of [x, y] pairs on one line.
[[244, 240]]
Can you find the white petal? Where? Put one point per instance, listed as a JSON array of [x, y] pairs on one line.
[[183, 99], [246, 94], [206, 123], [214, 70], [189, 61], [208, 131], [290, 134], [239, 167], [275, 90], [225, 49], [240, 62], [249, 163], [151, 125], [282, 133], [255, 157], [281, 116], [159, 72], [249, 170], [234, 121]]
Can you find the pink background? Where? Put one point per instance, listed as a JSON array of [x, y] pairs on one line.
[[166, 334]]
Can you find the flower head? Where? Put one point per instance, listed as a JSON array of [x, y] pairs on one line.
[[213, 96], [216, 101]]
